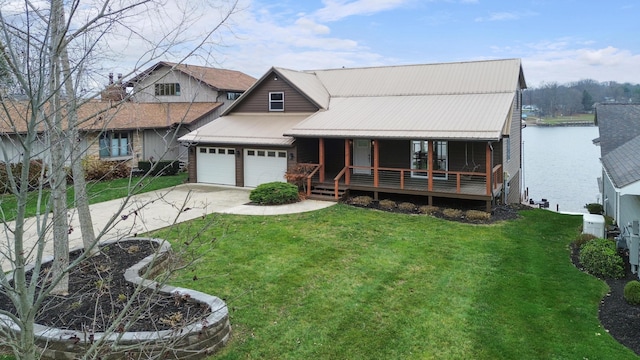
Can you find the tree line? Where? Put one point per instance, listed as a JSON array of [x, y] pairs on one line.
[[553, 99]]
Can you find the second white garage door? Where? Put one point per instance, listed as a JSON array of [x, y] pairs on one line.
[[263, 166], [216, 165]]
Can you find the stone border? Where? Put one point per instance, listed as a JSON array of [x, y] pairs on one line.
[[193, 341]]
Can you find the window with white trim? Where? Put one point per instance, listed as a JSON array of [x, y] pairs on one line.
[[276, 101]]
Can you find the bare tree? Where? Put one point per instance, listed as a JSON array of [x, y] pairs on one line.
[[47, 51]]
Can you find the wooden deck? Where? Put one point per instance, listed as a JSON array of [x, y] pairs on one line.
[[448, 184]]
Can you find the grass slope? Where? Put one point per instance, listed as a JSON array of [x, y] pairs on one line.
[[348, 283]]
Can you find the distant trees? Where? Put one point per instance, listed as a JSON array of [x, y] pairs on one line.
[[553, 99]]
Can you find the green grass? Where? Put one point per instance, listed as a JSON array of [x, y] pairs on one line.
[[97, 192], [568, 119], [349, 283]]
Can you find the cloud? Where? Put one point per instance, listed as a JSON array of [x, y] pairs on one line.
[[335, 10], [568, 65], [505, 16]]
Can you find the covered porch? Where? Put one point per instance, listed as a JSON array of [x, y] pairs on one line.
[[432, 168]]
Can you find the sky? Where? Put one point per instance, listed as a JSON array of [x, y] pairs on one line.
[[558, 40]]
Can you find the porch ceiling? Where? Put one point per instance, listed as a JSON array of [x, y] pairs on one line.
[[463, 116]]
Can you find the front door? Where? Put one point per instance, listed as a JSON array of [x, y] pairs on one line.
[[362, 156]]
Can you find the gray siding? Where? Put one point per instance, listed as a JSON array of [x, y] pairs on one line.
[[609, 197], [258, 99], [629, 209], [514, 164], [191, 90]]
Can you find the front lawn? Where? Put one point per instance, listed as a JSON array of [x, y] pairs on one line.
[[98, 191], [349, 283]]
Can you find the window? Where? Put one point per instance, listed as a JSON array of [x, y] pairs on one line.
[[114, 144], [167, 89], [276, 101], [508, 148], [233, 95], [420, 158]]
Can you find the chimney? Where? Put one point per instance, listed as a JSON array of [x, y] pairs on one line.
[[119, 78], [110, 78]]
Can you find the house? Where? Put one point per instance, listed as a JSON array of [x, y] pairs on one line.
[[142, 118], [448, 130], [619, 141]]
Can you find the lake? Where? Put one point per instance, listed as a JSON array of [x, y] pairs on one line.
[[561, 164]]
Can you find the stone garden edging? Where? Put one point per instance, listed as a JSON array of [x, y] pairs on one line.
[[193, 341]]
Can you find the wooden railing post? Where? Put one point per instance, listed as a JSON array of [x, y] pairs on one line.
[[376, 164], [347, 160], [430, 165], [321, 158], [489, 170]]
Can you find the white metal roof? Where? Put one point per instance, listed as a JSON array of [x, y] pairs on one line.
[[491, 76], [308, 84], [465, 116], [247, 128]]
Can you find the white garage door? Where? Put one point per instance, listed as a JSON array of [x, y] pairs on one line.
[[216, 165], [263, 166]]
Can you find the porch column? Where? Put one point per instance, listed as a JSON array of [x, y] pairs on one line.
[[489, 170], [347, 160], [321, 159], [376, 163], [430, 165]]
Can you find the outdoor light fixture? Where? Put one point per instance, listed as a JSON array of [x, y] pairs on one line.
[[291, 156]]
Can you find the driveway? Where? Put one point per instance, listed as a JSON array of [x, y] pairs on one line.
[[158, 209]]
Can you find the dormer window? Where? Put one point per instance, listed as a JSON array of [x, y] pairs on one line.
[[233, 95], [276, 101], [167, 89]]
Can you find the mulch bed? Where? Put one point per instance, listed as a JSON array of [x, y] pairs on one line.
[[98, 293], [618, 317]]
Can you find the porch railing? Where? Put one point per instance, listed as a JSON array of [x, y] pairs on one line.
[[458, 182]]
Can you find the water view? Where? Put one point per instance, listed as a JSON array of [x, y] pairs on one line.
[[562, 165]]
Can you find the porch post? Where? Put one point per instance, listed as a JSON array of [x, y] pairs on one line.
[[321, 159], [430, 165], [376, 163], [347, 160], [489, 169]]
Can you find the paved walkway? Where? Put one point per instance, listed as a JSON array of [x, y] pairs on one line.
[[158, 209]]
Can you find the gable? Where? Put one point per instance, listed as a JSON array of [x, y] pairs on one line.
[[257, 99]]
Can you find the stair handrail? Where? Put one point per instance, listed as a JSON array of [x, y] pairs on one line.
[[310, 176], [336, 182]]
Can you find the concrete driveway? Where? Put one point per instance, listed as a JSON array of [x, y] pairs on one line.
[[158, 209]]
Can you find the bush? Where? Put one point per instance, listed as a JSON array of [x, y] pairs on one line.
[[162, 168], [594, 208], [97, 169], [632, 292], [599, 258], [428, 209], [274, 193], [407, 206], [452, 213], [361, 200], [387, 204], [35, 168], [477, 215], [583, 239]]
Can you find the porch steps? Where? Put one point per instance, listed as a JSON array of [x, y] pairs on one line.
[[327, 192]]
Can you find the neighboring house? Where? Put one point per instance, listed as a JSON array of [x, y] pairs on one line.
[[449, 130], [619, 141], [168, 101]]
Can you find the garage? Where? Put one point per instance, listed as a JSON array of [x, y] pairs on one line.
[[263, 166], [216, 165]]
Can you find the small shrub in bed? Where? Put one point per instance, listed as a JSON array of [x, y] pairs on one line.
[[583, 239], [361, 200], [477, 215], [452, 213], [632, 292], [600, 258], [594, 208], [407, 206], [428, 209], [274, 193], [387, 204]]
